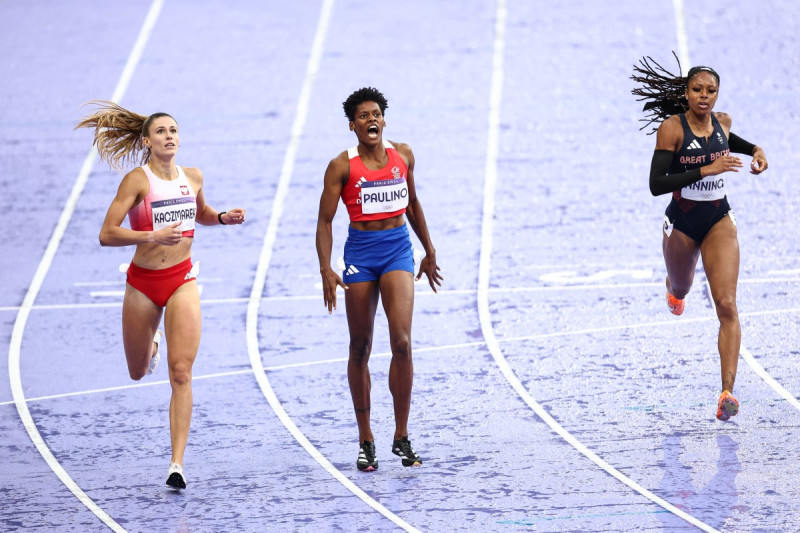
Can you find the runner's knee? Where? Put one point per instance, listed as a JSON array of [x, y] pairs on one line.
[[180, 372], [360, 349], [139, 370], [726, 308], [401, 346]]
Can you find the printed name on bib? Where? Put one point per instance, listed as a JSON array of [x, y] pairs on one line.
[[708, 188], [168, 212], [384, 196]]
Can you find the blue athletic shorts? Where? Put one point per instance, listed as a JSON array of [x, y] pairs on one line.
[[370, 254]]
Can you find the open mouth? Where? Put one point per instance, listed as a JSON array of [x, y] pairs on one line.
[[372, 131]]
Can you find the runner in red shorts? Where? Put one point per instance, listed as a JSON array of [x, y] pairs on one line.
[[162, 201]]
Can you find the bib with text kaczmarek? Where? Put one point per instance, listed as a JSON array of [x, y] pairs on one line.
[[383, 196], [171, 210]]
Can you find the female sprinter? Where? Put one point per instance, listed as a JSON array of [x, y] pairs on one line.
[[162, 202], [375, 181], [692, 155]]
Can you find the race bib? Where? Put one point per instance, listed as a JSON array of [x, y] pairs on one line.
[[383, 196], [168, 212], [708, 188]]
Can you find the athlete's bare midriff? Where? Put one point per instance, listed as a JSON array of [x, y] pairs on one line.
[[378, 225]]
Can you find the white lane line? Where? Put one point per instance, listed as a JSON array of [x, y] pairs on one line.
[[683, 41], [423, 294], [131, 386], [485, 316], [417, 350], [789, 272], [121, 283], [753, 362], [263, 267], [14, 350]]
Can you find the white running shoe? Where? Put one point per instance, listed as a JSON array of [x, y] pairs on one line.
[[156, 356], [175, 476]]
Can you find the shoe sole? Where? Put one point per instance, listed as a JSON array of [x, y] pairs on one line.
[[369, 468], [407, 462], [176, 480]]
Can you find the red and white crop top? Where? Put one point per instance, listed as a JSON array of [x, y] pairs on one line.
[[376, 194], [167, 202]]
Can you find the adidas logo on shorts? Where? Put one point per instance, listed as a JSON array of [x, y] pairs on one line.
[[351, 270]]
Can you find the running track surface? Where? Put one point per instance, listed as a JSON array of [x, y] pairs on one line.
[[532, 173]]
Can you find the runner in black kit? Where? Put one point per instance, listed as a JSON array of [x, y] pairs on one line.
[[693, 151]]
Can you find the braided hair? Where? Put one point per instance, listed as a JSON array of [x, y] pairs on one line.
[[664, 92], [118, 133]]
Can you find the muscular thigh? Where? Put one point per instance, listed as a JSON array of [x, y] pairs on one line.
[[140, 319], [720, 251], [680, 255], [182, 322], [397, 293]]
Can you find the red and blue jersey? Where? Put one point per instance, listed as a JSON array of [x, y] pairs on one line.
[[376, 194]]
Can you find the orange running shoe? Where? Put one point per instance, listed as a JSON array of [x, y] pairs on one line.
[[727, 406], [675, 305]]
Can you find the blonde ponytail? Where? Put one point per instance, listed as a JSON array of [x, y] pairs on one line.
[[118, 134]]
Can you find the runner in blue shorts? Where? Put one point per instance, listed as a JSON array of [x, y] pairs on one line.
[[375, 181], [370, 254]]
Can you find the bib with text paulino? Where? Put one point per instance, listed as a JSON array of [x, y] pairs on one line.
[[383, 196]]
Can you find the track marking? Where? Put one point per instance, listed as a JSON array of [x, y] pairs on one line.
[[14, 350], [263, 267], [443, 347], [487, 229], [680, 30], [417, 349], [441, 292]]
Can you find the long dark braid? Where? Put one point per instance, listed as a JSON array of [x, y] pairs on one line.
[[664, 91]]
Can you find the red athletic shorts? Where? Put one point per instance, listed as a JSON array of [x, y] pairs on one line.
[[160, 285]]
